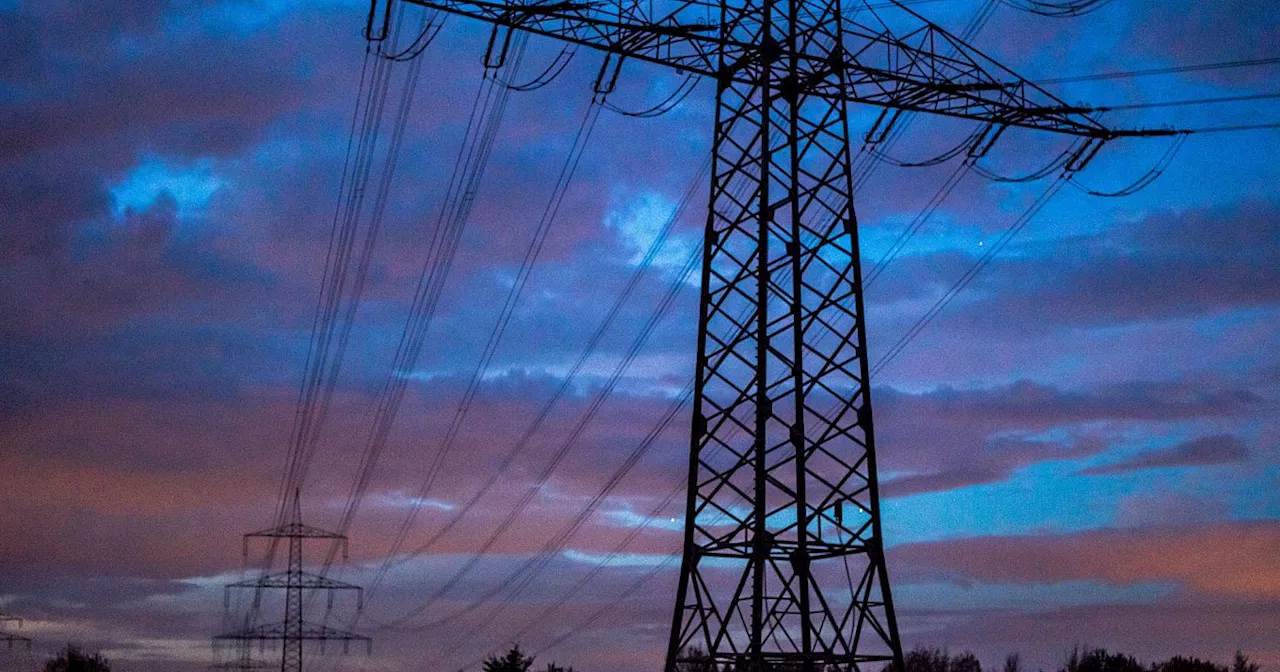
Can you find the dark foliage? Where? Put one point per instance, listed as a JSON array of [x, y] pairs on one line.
[[923, 659], [72, 659], [1101, 660], [1181, 664], [1242, 664], [512, 661]]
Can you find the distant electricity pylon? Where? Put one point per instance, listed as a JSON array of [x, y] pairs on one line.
[[9, 637], [783, 504], [243, 660], [296, 583]]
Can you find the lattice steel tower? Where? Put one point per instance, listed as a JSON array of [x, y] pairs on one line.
[[9, 637], [296, 583], [783, 564]]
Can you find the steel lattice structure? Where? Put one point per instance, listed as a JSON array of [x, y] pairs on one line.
[[783, 508], [296, 583], [9, 637]]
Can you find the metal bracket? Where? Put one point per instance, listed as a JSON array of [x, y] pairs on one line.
[[376, 30], [496, 58], [884, 123], [982, 144], [607, 78], [1081, 157]]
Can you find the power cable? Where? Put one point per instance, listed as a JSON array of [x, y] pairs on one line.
[[1017, 226], [1150, 72], [1183, 103], [478, 139], [592, 344], [1142, 182], [530, 258]]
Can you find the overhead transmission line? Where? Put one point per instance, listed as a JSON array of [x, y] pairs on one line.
[[338, 287], [1187, 102], [592, 344], [985, 14], [324, 353], [1234, 129], [528, 569], [478, 141], [597, 402], [1150, 72], [504, 318], [1016, 227]]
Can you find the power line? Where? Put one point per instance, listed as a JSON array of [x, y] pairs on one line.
[[593, 342], [1150, 72], [1234, 129], [1191, 101], [1017, 226]]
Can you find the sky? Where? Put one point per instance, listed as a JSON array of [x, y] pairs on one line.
[[1082, 449]]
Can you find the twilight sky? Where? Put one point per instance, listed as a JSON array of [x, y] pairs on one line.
[[1083, 448]]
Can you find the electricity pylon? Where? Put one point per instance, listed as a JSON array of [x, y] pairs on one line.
[[783, 505], [9, 637], [243, 659], [296, 583]]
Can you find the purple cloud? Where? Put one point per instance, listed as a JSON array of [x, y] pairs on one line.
[[1202, 451]]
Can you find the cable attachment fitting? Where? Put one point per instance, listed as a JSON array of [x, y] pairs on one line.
[[884, 123], [1083, 155], [378, 24], [985, 139], [607, 78], [495, 53]]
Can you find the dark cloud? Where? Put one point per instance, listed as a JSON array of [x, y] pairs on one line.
[[1170, 265], [948, 438], [1225, 560], [1202, 451]]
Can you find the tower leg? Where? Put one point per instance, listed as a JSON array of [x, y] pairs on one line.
[[783, 565]]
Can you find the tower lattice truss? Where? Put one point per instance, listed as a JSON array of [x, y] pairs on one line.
[[783, 564]]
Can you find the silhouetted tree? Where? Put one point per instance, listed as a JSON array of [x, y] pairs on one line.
[[1013, 663], [1181, 664], [552, 667], [1242, 664], [1100, 660], [512, 661], [72, 659], [965, 662], [694, 660], [921, 659]]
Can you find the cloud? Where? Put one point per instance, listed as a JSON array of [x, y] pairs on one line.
[[1201, 451], [1217, 560]]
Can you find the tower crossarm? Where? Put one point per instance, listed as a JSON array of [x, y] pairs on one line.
[[279, 631], [305, 580], [921, 68], [272, 631], [9, 637], [294, 529]]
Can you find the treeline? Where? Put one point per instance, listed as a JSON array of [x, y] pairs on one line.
[[934, 660], [1079, 660], [921, 659]]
